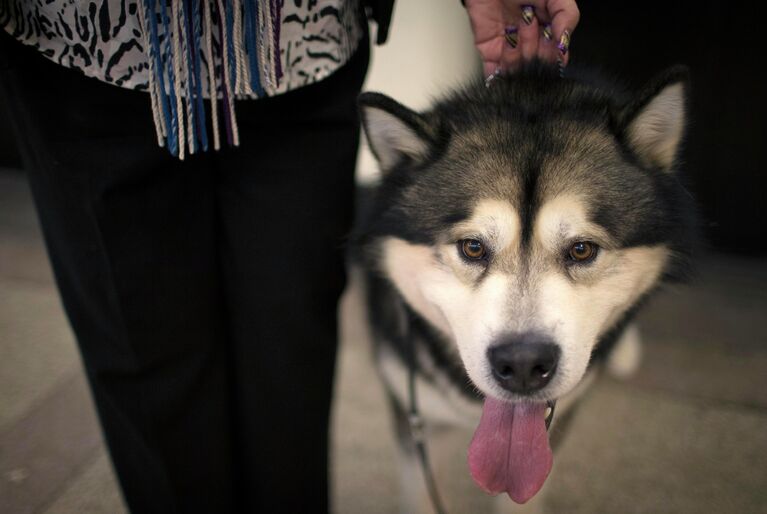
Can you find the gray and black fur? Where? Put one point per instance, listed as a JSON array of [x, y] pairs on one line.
[[541, 114]]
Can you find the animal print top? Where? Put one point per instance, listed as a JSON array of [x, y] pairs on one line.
[[103, 38]]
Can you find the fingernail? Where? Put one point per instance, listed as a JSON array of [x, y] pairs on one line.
[[547, 34], [528, 14], [512, 36], [564, 42]]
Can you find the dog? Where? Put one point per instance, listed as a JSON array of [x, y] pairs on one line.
[[517, 228]]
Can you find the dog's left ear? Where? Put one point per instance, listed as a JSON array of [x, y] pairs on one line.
[[654, 124], [395, 133]]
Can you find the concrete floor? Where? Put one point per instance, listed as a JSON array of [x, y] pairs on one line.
[[687, 434]]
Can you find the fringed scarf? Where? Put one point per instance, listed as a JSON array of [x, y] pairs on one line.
[[180, 37]]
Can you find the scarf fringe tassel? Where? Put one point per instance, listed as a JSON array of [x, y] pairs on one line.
[[234, 44]]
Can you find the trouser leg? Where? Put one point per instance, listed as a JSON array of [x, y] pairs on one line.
[[286, 207], [131, 234]]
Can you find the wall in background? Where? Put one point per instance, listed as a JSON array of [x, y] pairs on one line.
[[430, 50]]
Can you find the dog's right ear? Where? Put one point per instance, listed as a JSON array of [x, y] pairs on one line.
[[395, 133]]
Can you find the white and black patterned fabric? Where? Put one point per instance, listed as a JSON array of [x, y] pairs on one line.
[[184, 51], [103, 38]]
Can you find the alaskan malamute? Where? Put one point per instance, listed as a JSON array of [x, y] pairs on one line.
[[517, 228]]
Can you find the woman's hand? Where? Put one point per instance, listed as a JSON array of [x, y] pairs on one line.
[[508, 33]]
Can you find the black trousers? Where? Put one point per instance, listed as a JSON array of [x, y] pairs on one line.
[[202, 293]]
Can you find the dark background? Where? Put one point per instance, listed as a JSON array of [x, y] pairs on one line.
[[725, 156], [723, 43]]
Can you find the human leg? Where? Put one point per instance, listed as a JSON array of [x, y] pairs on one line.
[[131, 233], [286, 207]]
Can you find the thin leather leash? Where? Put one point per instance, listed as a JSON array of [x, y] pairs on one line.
[[415, 421]]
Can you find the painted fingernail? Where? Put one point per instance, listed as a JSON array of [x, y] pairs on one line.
[[547, 34], [528, 14], [564, 42], [512, 36]]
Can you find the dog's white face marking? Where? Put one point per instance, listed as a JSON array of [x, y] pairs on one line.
[[494, 222], [521, 289], [576, 314]]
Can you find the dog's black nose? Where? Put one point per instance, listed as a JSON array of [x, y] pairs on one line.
[[524, 366]]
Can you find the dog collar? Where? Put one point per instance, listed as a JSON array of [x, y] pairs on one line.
[[550, 406]]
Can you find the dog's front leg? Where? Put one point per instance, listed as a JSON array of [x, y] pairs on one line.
[[626, 356]]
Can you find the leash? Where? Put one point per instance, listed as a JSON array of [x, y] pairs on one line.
[[416, 423]]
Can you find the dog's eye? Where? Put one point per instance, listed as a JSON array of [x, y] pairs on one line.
[[583, 252], [473, 249]]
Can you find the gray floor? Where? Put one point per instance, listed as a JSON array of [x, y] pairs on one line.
[[687, 434]]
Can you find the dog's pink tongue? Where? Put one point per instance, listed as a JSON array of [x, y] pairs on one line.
[[510, 449]]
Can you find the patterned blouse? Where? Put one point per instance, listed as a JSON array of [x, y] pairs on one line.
[[182, 51]]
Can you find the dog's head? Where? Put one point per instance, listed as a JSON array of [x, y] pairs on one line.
[[526, 220]]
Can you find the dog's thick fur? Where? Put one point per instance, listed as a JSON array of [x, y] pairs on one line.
[[528, 167]]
